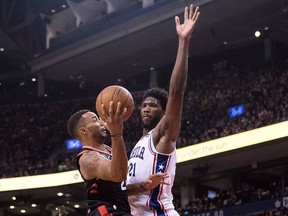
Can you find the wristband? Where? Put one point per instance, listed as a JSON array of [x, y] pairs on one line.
[[117, 135], [141, 185]]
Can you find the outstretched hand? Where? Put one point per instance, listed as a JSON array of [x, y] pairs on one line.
[[190, 20], [154, 180]]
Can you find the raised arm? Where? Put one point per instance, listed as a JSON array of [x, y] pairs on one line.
[[94, 165], [114, 123], [167, 131]]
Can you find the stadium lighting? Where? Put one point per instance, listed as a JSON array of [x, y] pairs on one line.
[[257, 34]]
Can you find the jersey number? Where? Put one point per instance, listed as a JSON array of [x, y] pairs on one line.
[[132, 168], [123, 185]]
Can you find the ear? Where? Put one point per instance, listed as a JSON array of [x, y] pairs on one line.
[[82, 130]]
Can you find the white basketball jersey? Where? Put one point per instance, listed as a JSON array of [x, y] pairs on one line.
[[144, 161]]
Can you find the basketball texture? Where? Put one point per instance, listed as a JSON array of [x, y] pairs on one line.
[[116, 94]]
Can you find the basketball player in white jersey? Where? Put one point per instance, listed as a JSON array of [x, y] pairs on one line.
[[155, 152]]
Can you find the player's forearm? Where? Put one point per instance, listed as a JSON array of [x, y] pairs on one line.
[[179, 75], [119, 167]]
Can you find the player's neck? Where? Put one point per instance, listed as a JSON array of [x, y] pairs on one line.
[[93, 143], [100, 147], [145, 132]]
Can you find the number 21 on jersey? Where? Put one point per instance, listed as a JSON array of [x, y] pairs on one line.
[[131, 170]]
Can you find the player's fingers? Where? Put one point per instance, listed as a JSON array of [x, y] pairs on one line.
[[166, 176], [165, 183], [160, 174], [191, 11], [177, 21], [111, 108], [125, 111], [162, 178], [103, 111], [118, 108], [196, 14], [186, 13], [122, 115]]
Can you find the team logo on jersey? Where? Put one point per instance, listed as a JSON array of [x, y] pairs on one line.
[[94, 189], [138, 152]]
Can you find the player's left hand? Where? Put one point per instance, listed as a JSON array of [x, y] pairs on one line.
[[154, 180], [191, 18]]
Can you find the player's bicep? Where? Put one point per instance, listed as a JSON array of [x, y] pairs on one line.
[[174, 108], [170, 125], [93, 165], [164, 140]]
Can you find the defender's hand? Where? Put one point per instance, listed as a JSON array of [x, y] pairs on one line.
[[190, 20], [154, 180]]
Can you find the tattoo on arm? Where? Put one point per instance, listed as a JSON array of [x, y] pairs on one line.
[[90, 162]]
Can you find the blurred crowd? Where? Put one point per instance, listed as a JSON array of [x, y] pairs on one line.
[[33, 135], [228, 198], [262, 89]]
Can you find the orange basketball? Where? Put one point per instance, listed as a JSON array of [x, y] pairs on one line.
[[116, 94]]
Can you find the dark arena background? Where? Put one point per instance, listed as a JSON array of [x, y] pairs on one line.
[[56, 56]]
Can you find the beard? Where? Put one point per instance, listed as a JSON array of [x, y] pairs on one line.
[[100, 136], [149, 125]]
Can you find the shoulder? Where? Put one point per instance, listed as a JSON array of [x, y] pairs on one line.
[[89, 156], [89, 162]]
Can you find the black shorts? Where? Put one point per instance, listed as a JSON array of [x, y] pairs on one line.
[[106, 210]]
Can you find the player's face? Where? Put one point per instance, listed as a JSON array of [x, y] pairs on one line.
[[151, 112], [94, 125]]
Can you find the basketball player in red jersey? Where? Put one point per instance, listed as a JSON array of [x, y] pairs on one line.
[[104, 174], [161, 115]]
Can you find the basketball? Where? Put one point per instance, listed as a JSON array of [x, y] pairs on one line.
[[116, 94]]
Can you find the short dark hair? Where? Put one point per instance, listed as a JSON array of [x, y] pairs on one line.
[[74, 121], [158, 93]]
